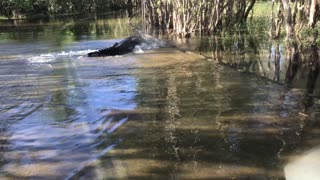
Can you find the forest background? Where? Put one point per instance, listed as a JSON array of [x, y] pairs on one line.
[[288, 18]]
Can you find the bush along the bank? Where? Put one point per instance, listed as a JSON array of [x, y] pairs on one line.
[[17, 9]]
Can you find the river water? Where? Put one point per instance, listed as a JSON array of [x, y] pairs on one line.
[[165, 113]]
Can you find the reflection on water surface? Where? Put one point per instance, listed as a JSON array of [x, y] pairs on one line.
[[164, 114]]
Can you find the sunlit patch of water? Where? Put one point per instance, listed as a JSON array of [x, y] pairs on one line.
[[63, 118]]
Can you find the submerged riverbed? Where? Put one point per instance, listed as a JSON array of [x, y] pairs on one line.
[[161, 114]]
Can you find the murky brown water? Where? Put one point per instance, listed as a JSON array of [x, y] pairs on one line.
[[163, 114]]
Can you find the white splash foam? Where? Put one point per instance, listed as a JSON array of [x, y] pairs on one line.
[[138, 50], [75, 53], [43, 58], [151, 43]]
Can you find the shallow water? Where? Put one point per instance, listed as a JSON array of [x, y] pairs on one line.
[[162, 114]]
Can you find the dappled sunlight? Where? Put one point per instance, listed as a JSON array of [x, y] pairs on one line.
[[161, 114], [188, 129], [167, 58]]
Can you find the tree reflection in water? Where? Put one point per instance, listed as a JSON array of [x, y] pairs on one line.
[[295, 66]]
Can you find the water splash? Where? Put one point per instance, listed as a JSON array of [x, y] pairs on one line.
[[152, 43], [138, 50], [48, 57], [149, 44]]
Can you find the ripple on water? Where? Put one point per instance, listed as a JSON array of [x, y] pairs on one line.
[[18, 112], [77, 125], [62, 147], [43, 58]]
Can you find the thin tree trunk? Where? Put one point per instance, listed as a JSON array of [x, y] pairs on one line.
[[250, 7], [312, 16], [288, 19], [276, 22]]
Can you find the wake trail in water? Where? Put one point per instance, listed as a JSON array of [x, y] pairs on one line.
[[48, 57], [148, 44]]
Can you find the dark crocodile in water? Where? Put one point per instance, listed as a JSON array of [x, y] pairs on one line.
[[138, 41], [125, 46]]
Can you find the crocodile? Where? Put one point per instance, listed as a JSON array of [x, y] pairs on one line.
[[123, 47]]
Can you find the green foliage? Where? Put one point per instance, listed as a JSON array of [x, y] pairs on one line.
[[318, 42], [3, 18], [263, 9], [21, 8], [317, 29]]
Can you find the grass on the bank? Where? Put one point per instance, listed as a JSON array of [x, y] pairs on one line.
[[3, 18], [263, 9]]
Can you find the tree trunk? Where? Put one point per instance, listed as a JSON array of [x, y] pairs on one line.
[[312, 16], [288, 19], [276, 22], [250, 7]]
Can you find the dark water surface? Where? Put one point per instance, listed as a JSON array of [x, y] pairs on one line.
[[161, 114]]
